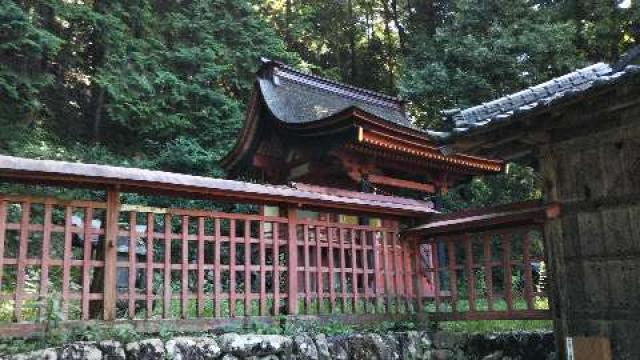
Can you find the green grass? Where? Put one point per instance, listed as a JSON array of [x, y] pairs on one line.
[[484, 326], [499, 304]]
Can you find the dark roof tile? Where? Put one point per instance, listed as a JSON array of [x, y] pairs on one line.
[[295, 97], [545, 94]]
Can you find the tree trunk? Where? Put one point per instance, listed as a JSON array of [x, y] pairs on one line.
[[97, 117], [399, 25], [287, 23], [352, 42], [425, 16], [390, 46]]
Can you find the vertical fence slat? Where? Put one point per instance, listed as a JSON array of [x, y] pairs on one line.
[[307, 272], [66, 258], [149, 270], [46, 240], [247, 268], [332, 294], [200, 281], [86, 261], [396, 271], [263, 270], [417, 278], [343, 271], [167, 266], [354, 271], [217, 293], [409, 275], [232, 268], [386, 270], [22, 259], [407, 269], [402, 256], [508, 294], [276, 269], [184, 282], [365, 270], [471, 279], [377, 271], [110, 294], [488, 271], [319, 295], [132, 263], [292, 262], [528, 277], [453, 280], [436, 273], [3, 233]]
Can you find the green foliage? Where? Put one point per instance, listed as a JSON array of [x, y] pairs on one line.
[[484, 50], [141, 83], [352, 40], [24, 47], [123, 333], [518, 183]]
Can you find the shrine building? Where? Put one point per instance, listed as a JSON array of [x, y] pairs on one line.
[[313, 131]]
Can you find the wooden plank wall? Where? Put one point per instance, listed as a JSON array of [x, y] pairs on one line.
[[592, 167]]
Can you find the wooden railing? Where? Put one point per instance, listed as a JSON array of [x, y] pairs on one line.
[[485, 264], [106, 261], [103, 261]]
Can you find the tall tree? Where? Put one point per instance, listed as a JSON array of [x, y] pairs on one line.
[[482, 50], [160, 82]]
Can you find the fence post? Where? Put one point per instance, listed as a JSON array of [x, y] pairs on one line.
[[111, 253], [293, 261]]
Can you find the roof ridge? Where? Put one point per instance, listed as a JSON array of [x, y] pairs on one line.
[[367, 92], [549, 87]]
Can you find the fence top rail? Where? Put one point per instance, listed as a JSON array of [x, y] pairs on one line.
[[512, 215], [60, 173]]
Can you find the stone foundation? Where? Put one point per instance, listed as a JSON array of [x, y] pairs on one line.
[[371, 346]]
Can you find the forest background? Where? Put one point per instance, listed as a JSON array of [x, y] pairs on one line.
[[163, 84]]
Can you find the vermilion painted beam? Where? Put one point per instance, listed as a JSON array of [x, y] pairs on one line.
[[400, 183]]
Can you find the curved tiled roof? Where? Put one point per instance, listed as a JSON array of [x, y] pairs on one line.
[[538, 97], [295, 97]]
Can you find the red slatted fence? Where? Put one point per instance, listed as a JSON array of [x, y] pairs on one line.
[[189, 264], [485, 264]]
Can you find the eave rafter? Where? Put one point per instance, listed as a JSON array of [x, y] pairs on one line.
[[414, 148]]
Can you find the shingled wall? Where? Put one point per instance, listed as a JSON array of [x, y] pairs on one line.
[[592, 167]]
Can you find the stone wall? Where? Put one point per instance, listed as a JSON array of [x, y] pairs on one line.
[[370, 346]]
